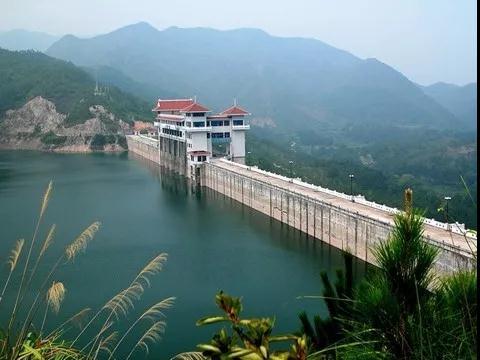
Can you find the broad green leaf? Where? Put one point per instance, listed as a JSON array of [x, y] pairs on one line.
[[211, 320], [207, 347]]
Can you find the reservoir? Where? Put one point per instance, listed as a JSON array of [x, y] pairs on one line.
[[213, 243]]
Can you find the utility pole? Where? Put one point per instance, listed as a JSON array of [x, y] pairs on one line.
[[351, 176], [447, 198]]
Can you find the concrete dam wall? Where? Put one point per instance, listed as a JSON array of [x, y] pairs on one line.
[[325, 216]]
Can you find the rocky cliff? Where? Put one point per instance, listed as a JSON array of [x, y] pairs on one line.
[[38, 126]]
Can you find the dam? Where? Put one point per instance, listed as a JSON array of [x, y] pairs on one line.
[[347, 223]]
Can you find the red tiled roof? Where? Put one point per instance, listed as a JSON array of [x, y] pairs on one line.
[[234, 110], [173, 105], [184, 105], [195, 107]]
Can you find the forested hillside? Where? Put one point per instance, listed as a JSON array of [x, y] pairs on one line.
[[27, 74]]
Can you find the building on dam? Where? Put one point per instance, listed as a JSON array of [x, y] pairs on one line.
[[197, 135]]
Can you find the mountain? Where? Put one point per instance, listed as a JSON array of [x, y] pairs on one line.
[[42, 98], [110, 76], [26, 40], [330, 111], [299, 84], [459, 100]]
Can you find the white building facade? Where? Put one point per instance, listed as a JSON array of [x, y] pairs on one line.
[[203, 135]]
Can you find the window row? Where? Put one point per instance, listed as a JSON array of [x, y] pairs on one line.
[[218, 123], [172, 132], [218, 135], [199, 158]]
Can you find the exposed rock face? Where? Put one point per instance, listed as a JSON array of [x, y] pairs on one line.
[[38, 126]]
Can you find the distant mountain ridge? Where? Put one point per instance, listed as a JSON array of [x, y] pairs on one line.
[[300, 84], [20, 39], [459, 100]]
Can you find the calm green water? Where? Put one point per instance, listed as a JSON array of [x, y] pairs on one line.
[[213, 243]]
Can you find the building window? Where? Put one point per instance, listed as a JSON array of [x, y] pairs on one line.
[[208, 123], [217, 123], [217, 135], [198, 114], [237, 122], [227, 135], [226, 123], [208, 135], [198, 124], [172, 132]]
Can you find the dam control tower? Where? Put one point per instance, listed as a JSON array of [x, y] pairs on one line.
[[199, 135]]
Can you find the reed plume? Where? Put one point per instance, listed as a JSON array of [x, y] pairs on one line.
[[152, 335], [55, 296], [12, 262], [15, 254], [121, 303], [46, 198], [152, 313], [155, 311], [48, 240], [106, 343], [81, 242], [152, 268]]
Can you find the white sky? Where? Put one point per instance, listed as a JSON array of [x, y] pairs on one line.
[[427, 40]]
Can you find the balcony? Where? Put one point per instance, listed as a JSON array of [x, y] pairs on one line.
[[240, 127], [197, 129]]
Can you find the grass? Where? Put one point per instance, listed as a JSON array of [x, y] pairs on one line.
[[24, 335]]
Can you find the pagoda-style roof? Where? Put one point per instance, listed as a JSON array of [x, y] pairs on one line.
[[195, 107], [234, 110], [180, 105]]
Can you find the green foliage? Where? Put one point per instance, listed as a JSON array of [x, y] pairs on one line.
[[249, 338], [323, 333], [26, 74], [50, 138], [425, 163], [403, 312]]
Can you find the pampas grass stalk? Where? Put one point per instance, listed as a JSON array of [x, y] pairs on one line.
[[51, 345], [121, 303], [153, 313], [12, 261], [71, 251], [21, 290], [153, 335]]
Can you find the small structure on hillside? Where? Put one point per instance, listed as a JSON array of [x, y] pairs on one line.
[[144, 128]]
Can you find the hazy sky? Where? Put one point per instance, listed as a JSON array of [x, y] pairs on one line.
[[427, 40]]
